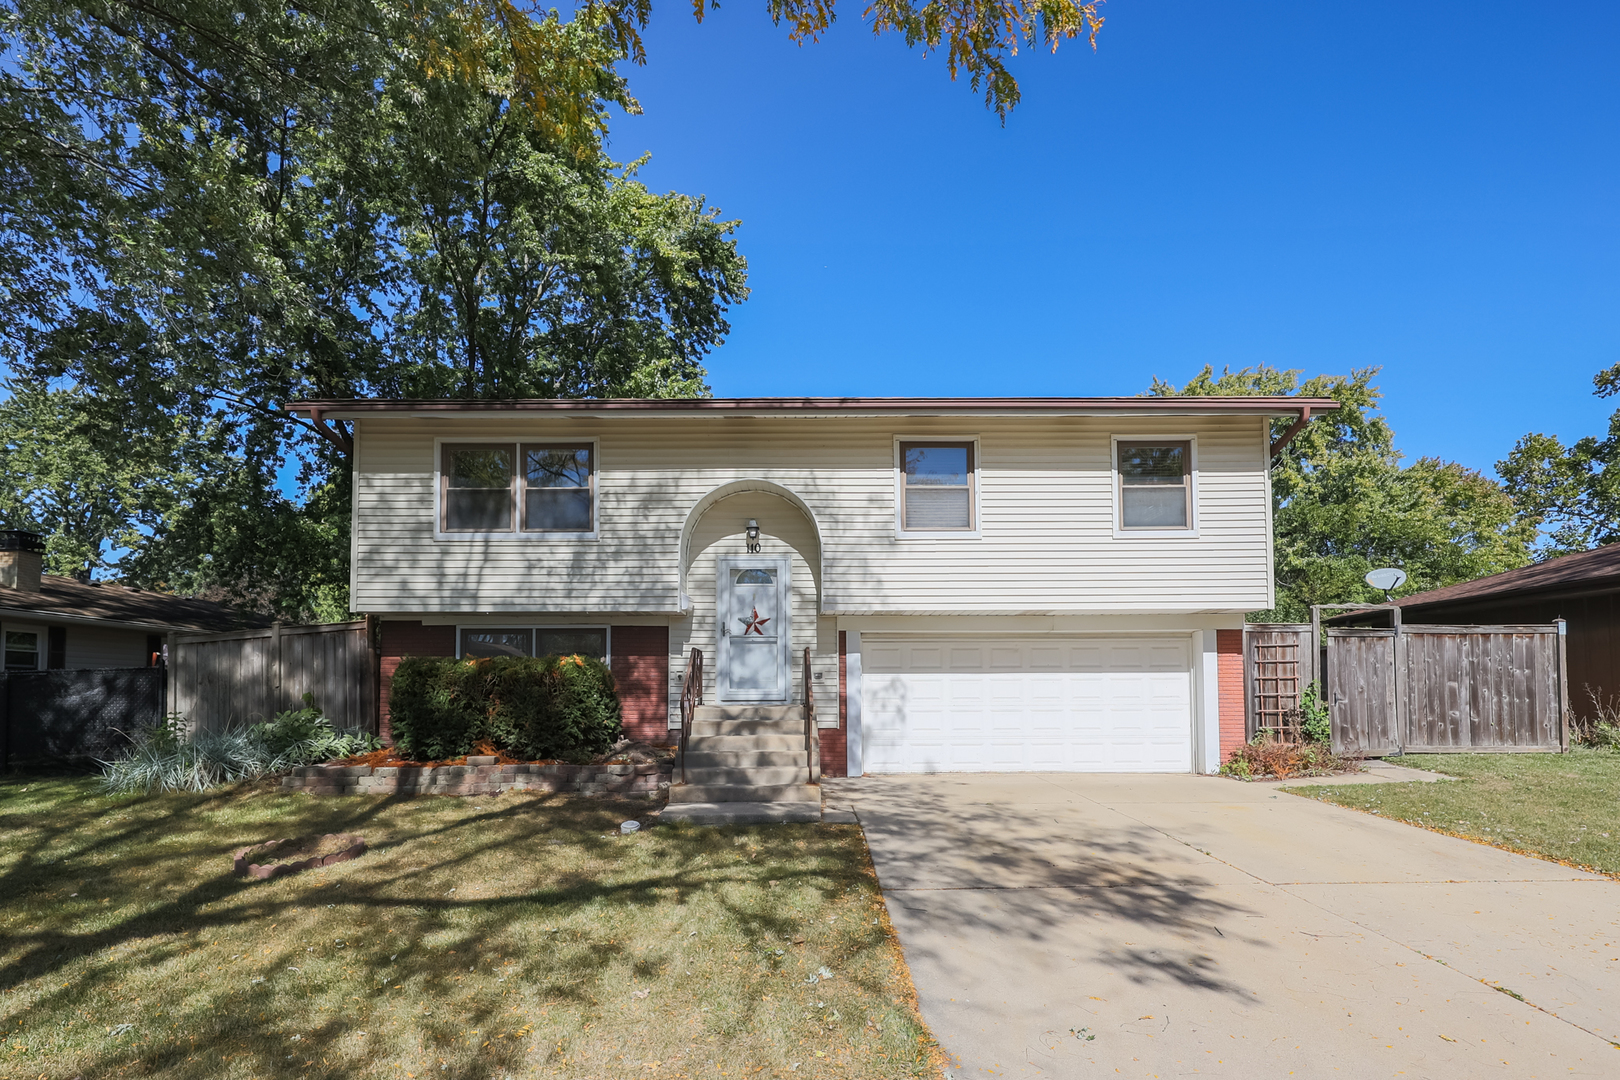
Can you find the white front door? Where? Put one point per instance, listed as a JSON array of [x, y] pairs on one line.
[[751, 607]]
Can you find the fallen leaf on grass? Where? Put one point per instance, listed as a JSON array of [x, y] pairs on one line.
[[639, 993]]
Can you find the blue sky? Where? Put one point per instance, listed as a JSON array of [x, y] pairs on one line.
[[1430, 188]]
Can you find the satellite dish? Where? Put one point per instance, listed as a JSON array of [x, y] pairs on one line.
[[1386, 579]]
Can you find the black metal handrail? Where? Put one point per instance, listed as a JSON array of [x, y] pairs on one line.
[[809, 719], [691, 698]]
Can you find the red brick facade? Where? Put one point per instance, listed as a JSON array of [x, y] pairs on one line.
[[641, 668], [834, 743], [640, 665], [1229, 665], [398, 640]]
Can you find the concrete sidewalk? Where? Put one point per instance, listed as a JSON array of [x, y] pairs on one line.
[[1156, 926]]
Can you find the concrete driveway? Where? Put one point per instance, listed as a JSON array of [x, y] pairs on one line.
[[1159, 926]]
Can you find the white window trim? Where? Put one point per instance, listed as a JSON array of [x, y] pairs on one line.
[[900, 531], [1122, 533], [535, 628], [42, 643], [518, 534]]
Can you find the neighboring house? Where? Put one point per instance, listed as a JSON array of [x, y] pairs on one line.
[[1582, 589], [983, 584], [49, 622]]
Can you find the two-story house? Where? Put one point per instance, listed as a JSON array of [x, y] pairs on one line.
[[982, 584]]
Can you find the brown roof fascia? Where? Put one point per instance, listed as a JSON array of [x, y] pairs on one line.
[[1268, 406], [1568, 575]]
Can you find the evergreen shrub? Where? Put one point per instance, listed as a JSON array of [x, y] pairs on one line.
[[544, 707]]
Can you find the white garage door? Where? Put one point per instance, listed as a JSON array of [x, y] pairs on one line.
[[1069, 704]]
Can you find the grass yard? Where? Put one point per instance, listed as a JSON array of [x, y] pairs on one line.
[[1560, 806], [510, 936]]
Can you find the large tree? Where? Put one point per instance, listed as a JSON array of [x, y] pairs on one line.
[[1345, 504], [208, 210], [1573, 491]]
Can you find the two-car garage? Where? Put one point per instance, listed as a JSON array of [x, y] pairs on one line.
[[1015, 704]]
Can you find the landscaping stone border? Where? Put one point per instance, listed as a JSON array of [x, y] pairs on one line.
[[243, 866], [645, 781]]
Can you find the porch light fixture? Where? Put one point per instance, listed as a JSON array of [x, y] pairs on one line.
[[752, 532]]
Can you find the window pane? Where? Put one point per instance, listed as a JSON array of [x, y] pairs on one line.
[[486, 467], [754, 577], [564, 509], [585, 642], [936, 466], [558, 467], [938, 508], [1154, 507], [22, 651], [478, 510], [495, 643], [1152, 464]]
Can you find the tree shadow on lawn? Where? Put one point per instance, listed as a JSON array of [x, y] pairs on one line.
[[464, 909]]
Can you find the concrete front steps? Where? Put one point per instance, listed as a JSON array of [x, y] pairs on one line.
[[745, 764]]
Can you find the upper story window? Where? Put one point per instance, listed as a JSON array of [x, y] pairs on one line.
[[938, 487], [514, 489], [1155, 485]]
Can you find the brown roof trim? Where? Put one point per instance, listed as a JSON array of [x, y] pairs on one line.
[[1265, 406], [1587, 571]]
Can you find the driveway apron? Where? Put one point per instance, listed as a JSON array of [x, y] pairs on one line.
[[1159, 926]]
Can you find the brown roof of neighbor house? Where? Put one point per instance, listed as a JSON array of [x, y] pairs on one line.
[[1276, 406], [65, 599], [1589, 570]]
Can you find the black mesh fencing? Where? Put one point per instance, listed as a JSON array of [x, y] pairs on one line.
[[65, 716]]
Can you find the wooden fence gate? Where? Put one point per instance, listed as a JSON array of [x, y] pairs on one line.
[[1415, 688], [218, 680]]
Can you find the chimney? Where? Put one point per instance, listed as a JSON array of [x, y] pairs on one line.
[[21, 560]]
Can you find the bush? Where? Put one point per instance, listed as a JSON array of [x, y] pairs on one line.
[[1602, 730], [1314, 724], [306, 736], [168, 758], [1264, 756], [546, 707]]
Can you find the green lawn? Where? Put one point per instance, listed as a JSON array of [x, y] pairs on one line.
[[1560, 806], [505, 936]]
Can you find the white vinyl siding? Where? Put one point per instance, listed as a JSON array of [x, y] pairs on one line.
[[1044, 508], [1051, 704]]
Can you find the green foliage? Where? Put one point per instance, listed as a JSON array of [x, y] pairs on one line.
[[209, 210], [168, 757], [1575, 491], [545, 707], [1344, 504], [1314, 724], [68, 471], [306, 736]]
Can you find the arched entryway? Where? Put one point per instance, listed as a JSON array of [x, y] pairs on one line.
[[754, 607]]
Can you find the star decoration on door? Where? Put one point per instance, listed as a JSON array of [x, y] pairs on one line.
[[755, 624]]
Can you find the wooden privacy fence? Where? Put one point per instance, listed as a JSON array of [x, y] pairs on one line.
[[217, 680], [1413, 688]]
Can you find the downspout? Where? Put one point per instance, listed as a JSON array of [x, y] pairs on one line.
[[335, 436], [1288, 436]]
